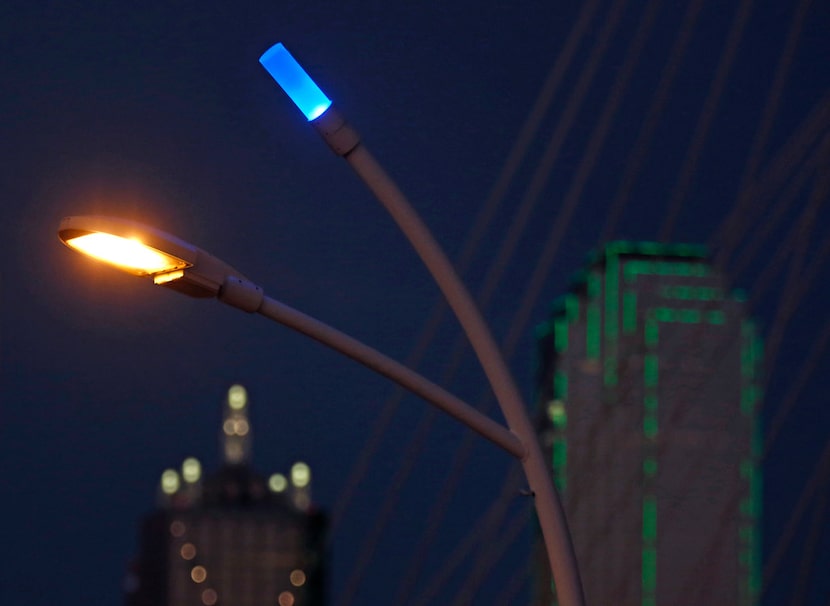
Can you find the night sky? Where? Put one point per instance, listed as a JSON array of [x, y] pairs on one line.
[[661, 117]]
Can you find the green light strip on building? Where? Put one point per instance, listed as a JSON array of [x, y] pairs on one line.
[[690, 316], [649, 575], [560, 334], [664, 314], [648, 564], [716, 316], [664, 268], [592, 331], [612, 271], [756, 496], [747, 361], [650, 365], [650, 425], [612, 298], [629, 273], [649, 520], [751, 508], [751, 357]]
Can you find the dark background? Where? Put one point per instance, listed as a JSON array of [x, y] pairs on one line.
[[160, 112]]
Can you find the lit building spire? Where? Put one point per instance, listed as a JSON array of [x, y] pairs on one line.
[[236, 429]]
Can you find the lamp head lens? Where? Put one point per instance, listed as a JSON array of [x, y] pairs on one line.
[[131, 255]]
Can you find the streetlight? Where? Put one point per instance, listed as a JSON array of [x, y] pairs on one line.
[[345, 142], [170, 262], [173, 263], [176, 264]]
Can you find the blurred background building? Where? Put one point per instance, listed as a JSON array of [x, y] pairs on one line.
[[234, 537], [648, 377]]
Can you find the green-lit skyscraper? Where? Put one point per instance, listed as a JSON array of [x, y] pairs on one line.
[[648, 393]]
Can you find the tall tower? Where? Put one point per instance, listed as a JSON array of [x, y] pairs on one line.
[[647, 387], [234, 538]]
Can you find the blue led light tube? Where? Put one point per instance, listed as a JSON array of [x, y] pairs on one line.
[[294, 80]]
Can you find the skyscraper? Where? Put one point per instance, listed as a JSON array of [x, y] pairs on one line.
[[234, 538], [647, 387]]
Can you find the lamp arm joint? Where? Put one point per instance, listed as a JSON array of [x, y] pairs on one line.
[[338, 134], [242, 294]]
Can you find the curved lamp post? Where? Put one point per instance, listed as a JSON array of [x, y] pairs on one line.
[[345, 142], [175, 264]]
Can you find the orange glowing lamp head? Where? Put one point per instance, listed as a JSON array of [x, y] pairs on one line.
[[145, 251]]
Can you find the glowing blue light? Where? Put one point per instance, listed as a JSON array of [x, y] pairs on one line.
[[294, 80]]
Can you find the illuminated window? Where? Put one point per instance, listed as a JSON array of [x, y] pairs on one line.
[[277, 482], [300, 474], [177, 528], [237, 427], [188, 551], [169, 481], [198, 574], [237, 397], [209, 597], [286, 598], [557, 414], [191, 470], [297, 578]]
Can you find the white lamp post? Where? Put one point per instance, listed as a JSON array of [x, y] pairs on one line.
[[345, 142]]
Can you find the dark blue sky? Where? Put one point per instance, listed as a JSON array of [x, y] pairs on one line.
[[160, 112]]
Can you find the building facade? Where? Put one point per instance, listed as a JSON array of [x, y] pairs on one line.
[[233, 538], [649, 400]]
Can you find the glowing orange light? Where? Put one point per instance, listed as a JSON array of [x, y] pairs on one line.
[[209, 597], [177, 528], [188, 551], [297, 578], [286, 598], [130, 255], [198, 574]]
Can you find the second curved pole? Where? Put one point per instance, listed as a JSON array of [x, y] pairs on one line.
[[345, 142]]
